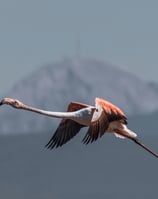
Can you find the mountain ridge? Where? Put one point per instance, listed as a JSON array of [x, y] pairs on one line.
[[55, 85]]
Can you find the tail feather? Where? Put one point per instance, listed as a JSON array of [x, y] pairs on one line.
[[125, 132], [119, 136]]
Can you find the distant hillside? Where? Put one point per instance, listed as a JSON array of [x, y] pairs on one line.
[[55, 85]]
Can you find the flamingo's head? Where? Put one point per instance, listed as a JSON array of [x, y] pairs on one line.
[[13, 102]]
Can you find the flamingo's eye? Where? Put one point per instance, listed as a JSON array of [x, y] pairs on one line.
[[16, 103]]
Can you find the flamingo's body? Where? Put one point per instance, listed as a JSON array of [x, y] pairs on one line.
[[101, 118]]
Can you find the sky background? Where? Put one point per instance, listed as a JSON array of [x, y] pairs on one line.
[[37, 32]]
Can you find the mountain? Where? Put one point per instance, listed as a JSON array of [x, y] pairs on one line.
[[57, 84]]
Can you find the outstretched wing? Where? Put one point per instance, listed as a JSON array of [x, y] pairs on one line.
[[107, 112], [67, 128], [97, 128]]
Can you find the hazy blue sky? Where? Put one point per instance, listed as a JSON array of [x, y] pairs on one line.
[[35, 32]]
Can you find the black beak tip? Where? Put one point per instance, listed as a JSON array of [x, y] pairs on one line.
[[1, 103]]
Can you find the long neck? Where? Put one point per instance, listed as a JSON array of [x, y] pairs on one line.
[[68, 115]]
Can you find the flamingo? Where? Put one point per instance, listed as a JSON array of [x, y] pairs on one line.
[[101, 118]]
